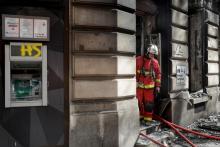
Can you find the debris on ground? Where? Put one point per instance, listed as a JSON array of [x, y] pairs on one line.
[[166, 136], [209, 125]]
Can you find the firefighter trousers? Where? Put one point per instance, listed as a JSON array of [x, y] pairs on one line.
[[145, 102]]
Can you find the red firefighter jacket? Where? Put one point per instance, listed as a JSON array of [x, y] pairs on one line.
[[148, 73]]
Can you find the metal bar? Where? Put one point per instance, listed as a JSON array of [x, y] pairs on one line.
[[7, 76], [44, 77]]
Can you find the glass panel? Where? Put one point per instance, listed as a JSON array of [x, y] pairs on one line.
[[26, 81]]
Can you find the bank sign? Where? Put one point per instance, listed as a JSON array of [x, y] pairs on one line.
[[33, 50], [31, 28]]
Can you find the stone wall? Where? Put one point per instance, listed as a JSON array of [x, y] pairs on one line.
[[204, 69], [103, 108]]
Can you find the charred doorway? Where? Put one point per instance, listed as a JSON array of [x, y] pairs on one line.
[[148, 32]]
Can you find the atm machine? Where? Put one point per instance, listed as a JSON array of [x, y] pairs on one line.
[[25, 75]]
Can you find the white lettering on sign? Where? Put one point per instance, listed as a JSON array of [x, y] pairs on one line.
[[181, 72]]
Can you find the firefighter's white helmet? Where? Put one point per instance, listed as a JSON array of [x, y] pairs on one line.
[[152, 48]]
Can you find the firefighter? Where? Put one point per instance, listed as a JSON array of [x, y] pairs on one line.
[[148, 81]]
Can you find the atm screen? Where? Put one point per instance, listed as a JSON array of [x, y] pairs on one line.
[[26, 82], [25, 89]]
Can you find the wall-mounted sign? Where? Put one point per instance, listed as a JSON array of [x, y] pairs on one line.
[[40, 28], [11, 26], [26, 28], [179, 52], [26, 50], [181, 72], [16, 27]]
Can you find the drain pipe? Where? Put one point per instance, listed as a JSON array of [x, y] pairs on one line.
[[171, 126], [154, 141]]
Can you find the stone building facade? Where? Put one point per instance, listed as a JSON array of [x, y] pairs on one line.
[[91, 69]]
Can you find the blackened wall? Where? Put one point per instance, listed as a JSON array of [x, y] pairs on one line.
[[36, 126], [163, 25]]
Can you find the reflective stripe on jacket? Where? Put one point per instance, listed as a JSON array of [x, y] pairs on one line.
[[148, 73], [141, 85]]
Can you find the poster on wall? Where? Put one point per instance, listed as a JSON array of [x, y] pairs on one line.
[[40, 28], [11, 27], [26, 28], [181, 72]]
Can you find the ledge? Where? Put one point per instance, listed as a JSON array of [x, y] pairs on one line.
[[198, 100], [104, 5]]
